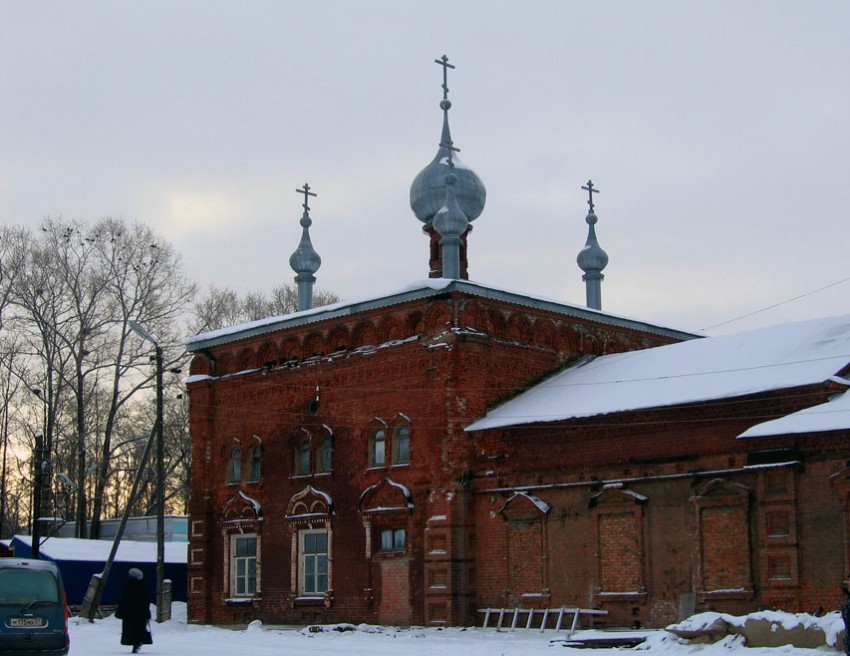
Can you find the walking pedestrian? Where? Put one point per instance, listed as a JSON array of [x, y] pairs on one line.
[[134, 611]]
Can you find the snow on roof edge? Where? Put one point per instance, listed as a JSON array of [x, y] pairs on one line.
[[785, 356], [409, 292]]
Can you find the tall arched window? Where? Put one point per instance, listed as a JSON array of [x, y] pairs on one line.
[[324, 461], [378, 447], [256, 463], [401, 445], [234, 465], [302, 457]]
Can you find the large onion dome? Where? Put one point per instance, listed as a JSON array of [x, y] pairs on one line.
[[428, 191]]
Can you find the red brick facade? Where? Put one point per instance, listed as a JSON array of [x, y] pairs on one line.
[[630, 513]]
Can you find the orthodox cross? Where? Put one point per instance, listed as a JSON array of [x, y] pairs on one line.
[[306, 191], [450, 147], [444, 62], [590, 191]]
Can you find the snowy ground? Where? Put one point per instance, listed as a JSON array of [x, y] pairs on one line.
[[178, 637]]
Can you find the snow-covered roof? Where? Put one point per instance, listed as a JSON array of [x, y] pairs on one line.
[[830, 416], [418, 290], [779, 357], [129, 551]]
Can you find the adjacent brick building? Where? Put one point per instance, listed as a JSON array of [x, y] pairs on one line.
[[415, 457]]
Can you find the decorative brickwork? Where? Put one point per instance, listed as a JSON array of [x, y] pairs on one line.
[[634, 512]]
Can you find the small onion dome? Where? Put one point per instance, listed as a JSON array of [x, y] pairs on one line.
[[428, 191], [305, 260], [450, 220], [591, 258]]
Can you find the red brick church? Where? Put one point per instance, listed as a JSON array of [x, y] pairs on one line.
[[419, 456]]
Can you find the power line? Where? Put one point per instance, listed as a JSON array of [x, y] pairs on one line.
[[775, 305]]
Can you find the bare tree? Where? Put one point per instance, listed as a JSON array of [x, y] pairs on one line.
[[222, 306], [77, 288], [145, 282], [76, 385]]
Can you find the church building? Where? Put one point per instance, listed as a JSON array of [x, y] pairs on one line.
[[417, 457]]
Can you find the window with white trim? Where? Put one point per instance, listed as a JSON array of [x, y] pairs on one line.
[[312, 563], [243, 565]]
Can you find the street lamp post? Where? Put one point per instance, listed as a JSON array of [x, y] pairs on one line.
[[160, 473]]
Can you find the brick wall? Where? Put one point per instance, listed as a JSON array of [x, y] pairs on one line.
[[436, 364]]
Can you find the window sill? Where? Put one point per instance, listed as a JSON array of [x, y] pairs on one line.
[[241, 601], [620, 596], [390, 555], [400, 464], [309, 602], [735, 593], [375, 467]]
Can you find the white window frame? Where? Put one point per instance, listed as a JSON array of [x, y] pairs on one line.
[[234, 566], [305, 561]]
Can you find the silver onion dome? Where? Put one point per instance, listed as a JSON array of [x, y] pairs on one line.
[[305, 260], [591, 258], [428, 191]]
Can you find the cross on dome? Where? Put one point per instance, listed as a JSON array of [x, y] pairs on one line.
[[590, 191], [306, 191], [444, 62]]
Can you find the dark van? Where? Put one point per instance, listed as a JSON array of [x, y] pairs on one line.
[[33, 611]]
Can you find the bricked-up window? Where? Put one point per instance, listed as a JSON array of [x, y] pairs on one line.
[[526, 517], [324, 462], [234, 465], [619, 558], [243, 565], [255, 463], [723, 547], [393, 539], [312, 563], [726, 557], [619, 517], [377, 447], [401, 446]]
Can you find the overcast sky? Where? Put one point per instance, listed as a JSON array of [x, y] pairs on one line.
[[718, 133]]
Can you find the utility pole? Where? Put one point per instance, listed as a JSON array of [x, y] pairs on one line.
[[160, 471], [38, 480]]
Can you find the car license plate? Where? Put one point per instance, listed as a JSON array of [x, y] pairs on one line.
[[26, 622]]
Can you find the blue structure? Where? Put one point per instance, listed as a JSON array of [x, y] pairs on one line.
[[79, 560]]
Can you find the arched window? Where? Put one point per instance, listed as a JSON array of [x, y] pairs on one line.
[[324, 461], [401, 445], [256, 463], [377, 447], [234, 465], [302, 457]]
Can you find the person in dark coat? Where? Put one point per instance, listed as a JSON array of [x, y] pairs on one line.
[[845, 615], [134, 611]]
